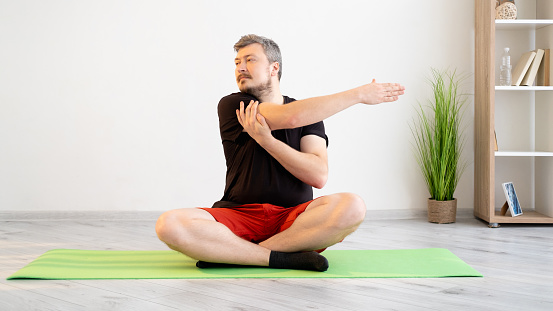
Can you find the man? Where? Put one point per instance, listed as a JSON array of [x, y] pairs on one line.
[[275, 150]]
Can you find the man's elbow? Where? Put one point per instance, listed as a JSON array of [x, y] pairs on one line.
[[290, 122], [320, 182], [279, 117]]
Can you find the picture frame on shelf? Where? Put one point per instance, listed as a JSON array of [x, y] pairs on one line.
[[512, 203]]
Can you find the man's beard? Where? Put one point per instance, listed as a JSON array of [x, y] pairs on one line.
[[258, 91]]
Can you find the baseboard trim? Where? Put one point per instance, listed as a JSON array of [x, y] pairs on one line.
[[78, 215], [153, 215]]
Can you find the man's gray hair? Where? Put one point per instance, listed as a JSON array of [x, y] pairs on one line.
[[272, 51]]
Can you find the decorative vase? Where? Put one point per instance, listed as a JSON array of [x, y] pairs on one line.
[[442, 212], [507, 10]]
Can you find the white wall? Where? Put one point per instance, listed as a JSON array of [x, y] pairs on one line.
[[111, 105]]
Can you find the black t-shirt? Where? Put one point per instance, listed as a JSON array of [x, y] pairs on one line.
[[253, 175]]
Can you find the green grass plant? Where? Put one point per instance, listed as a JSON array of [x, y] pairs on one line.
[[439, 137]]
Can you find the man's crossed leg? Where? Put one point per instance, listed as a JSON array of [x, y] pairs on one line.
[[218, 239]]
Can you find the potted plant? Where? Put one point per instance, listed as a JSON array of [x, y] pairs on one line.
[[439, 142]]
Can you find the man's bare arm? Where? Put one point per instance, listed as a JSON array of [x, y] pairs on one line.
[[309, 165], [308, 111]]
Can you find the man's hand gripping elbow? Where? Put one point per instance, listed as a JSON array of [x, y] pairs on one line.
[[254, 123]]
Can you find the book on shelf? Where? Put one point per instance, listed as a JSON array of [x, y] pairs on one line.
[[522, 67], [512, 203], [544, 78], [532, 71], [495, 137]]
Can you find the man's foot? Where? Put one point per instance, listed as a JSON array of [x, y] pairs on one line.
[[299, 261], [206, 264], [280, 260]]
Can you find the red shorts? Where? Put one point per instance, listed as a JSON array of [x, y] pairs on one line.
[[257, 222]]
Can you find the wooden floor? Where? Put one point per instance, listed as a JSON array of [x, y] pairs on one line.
[[516, 260]]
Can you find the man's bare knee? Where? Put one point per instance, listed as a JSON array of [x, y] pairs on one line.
[[166, 226], [172, 226], [351, 210]]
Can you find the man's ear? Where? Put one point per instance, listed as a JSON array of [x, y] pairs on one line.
[[275, 67]]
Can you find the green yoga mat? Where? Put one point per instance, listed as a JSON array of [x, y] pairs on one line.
[[89, 264]]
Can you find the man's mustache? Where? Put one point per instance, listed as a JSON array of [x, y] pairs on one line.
[[244, 75]]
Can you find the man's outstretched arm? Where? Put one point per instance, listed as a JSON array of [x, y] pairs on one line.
[[308, 111]]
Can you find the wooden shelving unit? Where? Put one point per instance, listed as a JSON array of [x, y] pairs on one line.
[[535, 155]]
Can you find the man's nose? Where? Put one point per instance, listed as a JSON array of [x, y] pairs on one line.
[[242, 67]]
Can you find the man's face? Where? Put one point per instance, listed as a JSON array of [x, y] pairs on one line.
[[253, 71]]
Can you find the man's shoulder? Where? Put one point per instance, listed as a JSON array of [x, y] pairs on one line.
[[228, 104], [238, 97], [246, 98], [288, 99]]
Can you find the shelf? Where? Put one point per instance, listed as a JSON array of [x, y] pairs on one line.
[[523, 154], [523, 88], [530, 161], [522, 24], [527, 217]]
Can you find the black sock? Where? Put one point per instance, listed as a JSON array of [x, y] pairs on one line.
[[206, 264], [299, 261], [281, 260]]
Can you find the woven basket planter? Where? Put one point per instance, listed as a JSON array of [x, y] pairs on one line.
[[442, 212]]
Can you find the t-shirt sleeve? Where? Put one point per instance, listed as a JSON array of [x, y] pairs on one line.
[[315, 129], [228, 122]]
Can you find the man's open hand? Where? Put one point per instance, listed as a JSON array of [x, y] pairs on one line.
[[376, 93]]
